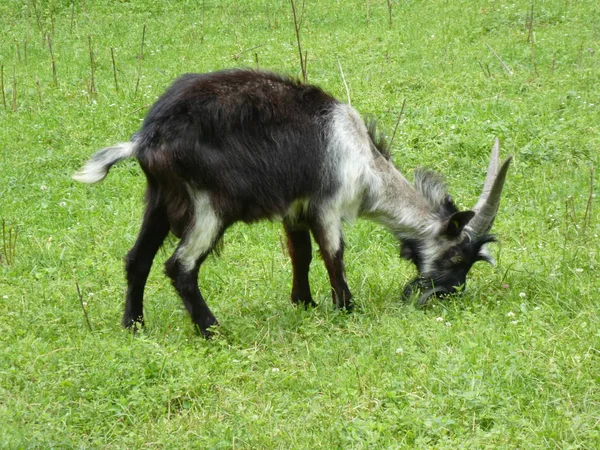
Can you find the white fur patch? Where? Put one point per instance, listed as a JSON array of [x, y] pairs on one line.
[[350, 161], [98, 165], [372, 182], [332, 231], [201, 238], [296, 209]]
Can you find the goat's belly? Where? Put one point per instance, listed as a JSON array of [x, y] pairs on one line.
[[251, 207]]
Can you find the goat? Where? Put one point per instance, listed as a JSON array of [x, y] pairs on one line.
[[243, 145]]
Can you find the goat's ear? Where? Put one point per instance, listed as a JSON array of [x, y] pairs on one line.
[[457, 222]]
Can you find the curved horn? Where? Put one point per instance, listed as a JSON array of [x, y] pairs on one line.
[[489, 200]]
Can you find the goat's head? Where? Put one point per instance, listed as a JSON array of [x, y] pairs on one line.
[[443, 261]]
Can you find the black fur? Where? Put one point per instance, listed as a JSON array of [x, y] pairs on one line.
[[252, 139]]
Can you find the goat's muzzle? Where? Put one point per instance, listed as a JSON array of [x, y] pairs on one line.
[[427, 290]]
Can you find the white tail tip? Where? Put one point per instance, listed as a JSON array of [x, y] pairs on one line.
[[100, 163]]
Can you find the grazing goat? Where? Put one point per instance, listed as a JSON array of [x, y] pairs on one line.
[[242, 145]]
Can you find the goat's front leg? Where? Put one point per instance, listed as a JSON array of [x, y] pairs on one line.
[[328, 234], [300, 249]]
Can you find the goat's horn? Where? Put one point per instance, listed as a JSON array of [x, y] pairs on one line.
[[489, 200]]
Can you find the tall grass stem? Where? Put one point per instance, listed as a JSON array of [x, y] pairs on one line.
[[397, 123], [297, 30], [114, 67], [82, 303], [14, 92], [92, 69], [141, 57], [52, 60], [2, 85]]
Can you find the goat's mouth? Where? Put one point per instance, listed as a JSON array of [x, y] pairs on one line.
[[427, 289], [438, 292]]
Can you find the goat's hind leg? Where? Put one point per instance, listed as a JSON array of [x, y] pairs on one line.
[[154, 230], [185, 281], [183, 267], [300, 249]]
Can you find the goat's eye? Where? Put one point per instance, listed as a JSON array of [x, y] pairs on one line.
[[457, 259]]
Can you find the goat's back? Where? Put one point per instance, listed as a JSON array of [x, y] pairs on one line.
[[255, 141]]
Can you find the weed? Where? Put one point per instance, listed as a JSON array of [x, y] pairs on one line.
[[9, 243]]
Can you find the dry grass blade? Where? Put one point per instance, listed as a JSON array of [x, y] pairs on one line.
[[510, 72], [396, 127], [9, 243], [344, 81], [52, 60], [114, 67], [587, 218], [297, 29], [2, 85], [237, 55], [92, 69], [141, 57], [82, 303], [14, 92]]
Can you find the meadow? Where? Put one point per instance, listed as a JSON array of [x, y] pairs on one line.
[[513, 363]]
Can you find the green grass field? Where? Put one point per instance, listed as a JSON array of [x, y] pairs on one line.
[[514, 363]]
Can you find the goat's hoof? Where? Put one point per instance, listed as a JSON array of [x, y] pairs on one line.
[[206, 329], [207, 333], [310, 304], [347, 306], [133, 324], [306, 303]]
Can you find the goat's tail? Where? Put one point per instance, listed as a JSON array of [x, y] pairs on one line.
[[100, 163]]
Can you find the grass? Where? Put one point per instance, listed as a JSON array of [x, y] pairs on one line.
[[514, 363]]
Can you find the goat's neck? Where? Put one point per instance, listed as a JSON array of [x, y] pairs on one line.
[[395, 203]]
